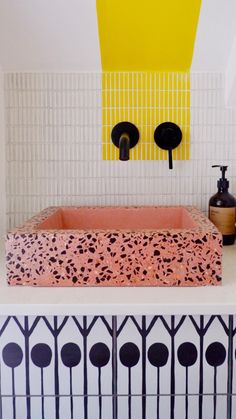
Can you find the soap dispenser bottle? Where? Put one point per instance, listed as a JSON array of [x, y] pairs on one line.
[[222, 209]]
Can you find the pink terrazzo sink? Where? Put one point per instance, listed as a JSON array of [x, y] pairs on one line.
[[115, 246]]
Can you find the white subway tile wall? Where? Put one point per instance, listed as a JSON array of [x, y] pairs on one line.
[[54, 157]]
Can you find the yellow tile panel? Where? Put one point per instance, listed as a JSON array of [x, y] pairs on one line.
[[146, 99]]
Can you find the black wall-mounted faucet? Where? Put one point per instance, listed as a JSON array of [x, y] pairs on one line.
[[168, 136], [125, 136]]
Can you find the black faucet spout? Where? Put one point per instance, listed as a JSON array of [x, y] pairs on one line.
[[124, 147], [124, 136]]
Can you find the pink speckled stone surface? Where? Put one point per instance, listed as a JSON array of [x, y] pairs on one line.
[[115, 246]]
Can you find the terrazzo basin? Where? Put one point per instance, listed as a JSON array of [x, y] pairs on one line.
[[115, 246]]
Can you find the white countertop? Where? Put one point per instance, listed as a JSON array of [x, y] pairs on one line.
[[151, 300]]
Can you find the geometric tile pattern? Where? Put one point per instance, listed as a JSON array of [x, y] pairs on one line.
[[117, 367]]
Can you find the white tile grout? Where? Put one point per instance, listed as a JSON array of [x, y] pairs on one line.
[[53, 144]]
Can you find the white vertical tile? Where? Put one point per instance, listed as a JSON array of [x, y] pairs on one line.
[[2, 157], [53, 130]]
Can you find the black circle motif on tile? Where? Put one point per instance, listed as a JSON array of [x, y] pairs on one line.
[[70, 355], [99, 355], [12, 355], [158, 355], [129, 354], [41, 355], [187, 354], [215, 354]]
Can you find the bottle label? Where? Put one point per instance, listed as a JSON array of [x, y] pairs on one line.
[[224, 219]]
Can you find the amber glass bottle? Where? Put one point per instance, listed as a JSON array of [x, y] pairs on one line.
[[222, 209]]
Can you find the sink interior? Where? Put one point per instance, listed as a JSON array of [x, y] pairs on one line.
[[111, 218]]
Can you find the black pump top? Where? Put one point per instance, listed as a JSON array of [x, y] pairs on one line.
[[223, 183]]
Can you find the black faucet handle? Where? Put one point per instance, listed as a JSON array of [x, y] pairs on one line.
[[168, 136], [125, 136]]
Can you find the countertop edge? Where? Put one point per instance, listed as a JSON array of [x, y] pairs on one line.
[[115, 309]]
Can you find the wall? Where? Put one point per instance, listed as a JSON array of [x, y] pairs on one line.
[[215, 35], [144, 367], [49, 35], [230, 76], [61, 35], [2, 158], [53, 141]]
